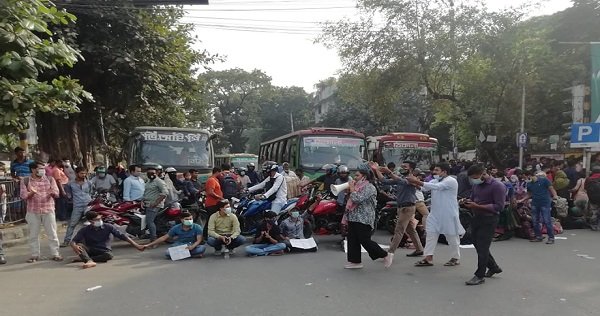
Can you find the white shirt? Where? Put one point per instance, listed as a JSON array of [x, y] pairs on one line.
[[443, 218], [420, 196], [279, 188]]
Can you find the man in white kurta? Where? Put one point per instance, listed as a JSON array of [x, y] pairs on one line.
[[443, 218]]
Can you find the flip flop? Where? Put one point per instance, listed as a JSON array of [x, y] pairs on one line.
[[423, 263], [33, 259], [57, 258], [453, 262]]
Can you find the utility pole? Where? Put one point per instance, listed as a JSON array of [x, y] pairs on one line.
[[292, 120], [521, 148]]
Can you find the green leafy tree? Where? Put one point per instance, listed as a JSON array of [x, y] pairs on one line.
[[29, 54]]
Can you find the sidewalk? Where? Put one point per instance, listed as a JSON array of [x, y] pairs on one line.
[[19, 233]]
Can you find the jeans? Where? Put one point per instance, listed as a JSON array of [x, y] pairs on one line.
[[150, 217], [200, 249], [75, 218], [403, 224], [542, 214], [359, 234], [482, 233], [218, 244], [35, 221], [276, 207], [96, 255], [264, 249]]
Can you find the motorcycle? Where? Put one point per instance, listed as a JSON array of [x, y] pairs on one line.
[[326, 217], [250, 213]]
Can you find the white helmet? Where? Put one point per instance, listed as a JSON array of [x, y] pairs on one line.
[[170, 169]]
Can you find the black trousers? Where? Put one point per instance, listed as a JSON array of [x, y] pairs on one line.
[[360, 235], [210, 210], [482, 234], [96, 255]]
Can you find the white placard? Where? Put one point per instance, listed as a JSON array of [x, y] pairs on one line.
[[303, 243], [179, 252]]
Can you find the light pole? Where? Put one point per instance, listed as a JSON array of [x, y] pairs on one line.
[[521, 147]]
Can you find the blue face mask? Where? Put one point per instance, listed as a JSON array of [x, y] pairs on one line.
[[188, 222], [295, 214]]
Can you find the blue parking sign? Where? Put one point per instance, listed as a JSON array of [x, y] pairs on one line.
[[585, 135]]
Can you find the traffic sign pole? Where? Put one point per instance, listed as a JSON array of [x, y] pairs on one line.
[[521, 149]]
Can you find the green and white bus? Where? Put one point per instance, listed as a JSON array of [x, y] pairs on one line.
[[313, 148], [181, 148], [237, 160]]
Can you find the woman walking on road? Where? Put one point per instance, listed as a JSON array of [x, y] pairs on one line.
[[360, 213]]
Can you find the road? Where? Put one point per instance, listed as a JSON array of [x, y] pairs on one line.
[[538, 279]]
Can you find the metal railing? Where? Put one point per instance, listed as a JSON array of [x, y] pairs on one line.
[[12, 208]]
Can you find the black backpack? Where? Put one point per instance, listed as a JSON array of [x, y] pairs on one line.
[[229, 186], [592, 186]]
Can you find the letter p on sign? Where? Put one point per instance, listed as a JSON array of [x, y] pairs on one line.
[[584, 131]]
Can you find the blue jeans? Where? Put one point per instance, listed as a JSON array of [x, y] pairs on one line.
[[276, 207], [218, 244], [542, 214], [200, 249], [75, 218], [150, 217], [264, 249]]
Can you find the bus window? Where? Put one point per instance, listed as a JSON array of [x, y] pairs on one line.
[[294, 151]]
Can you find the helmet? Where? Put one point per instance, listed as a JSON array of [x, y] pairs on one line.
[[269, 166], [250, 165], [170, 169], [329, 168], [343, 169]]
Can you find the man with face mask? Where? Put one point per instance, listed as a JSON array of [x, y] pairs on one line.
[[133, 186], [155, 193], [444, 216], [406, 197], [79, 191], [185, 233], [104, 182], [293, 228], [253, 175], [92, 243], [40, 191], [268, 239], [224, 230], [487, 201], [541, 192]]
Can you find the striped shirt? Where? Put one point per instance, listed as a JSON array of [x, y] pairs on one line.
[[42, 201]]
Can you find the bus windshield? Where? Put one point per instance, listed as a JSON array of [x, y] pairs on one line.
[[320, 150], [174, 149], [422, 157]]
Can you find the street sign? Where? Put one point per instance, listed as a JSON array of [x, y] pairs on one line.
[[522, 140], [585, 135]]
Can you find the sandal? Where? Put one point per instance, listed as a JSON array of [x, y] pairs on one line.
[[57, 258], [453, 262], [33, 259], [423, 263]]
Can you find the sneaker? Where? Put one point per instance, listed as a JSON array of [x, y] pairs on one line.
[[490, 273], [64, 244], [475, 281], [550, 241], [387, 261], [351, 265], [2, 259], [538, 239]]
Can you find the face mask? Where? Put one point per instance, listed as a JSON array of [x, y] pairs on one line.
[[437, 176], [295, 214], [404, 172], [98, 223], [102, 175], [41, 172], [188, 222], [475, 181], [228, 210], [151, 176], [243, 173]]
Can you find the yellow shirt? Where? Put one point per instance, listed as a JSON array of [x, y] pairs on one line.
[[223, 225]]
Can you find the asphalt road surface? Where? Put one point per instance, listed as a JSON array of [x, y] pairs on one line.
[[538, 279]]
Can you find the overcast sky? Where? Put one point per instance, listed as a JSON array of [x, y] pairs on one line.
[[277, 36]]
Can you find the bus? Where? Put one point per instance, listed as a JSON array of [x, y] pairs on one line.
[[399, 147], [181, 148], [313, 148], [237, 160]]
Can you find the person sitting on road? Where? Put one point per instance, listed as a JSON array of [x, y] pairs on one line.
[[275, 186], [93, 242], [293, 228], [185, 233], [268, 239], [224, 229]]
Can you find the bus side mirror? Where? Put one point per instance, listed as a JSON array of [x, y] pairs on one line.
[[211, 138]]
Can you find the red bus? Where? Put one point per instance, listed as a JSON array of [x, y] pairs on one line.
[[312, 148], [399, 147]]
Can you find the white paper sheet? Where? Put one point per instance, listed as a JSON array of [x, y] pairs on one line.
[[303, 243], [467, 246], [363, 249], [179, 252]]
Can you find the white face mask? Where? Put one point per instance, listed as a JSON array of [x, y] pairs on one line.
[[98, 223], [41, 172], [437, 176], [228, 210]]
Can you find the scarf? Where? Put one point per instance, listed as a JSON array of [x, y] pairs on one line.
[[359, 186]]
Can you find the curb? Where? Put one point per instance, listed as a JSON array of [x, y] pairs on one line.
[[14, 236]]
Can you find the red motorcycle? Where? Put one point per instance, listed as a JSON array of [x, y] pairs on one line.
[[326, 216]]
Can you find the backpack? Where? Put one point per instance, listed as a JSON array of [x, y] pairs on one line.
[[562, 207], [229, 186], [592, 186]]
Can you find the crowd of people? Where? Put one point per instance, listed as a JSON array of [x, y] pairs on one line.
[[485, 192]]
